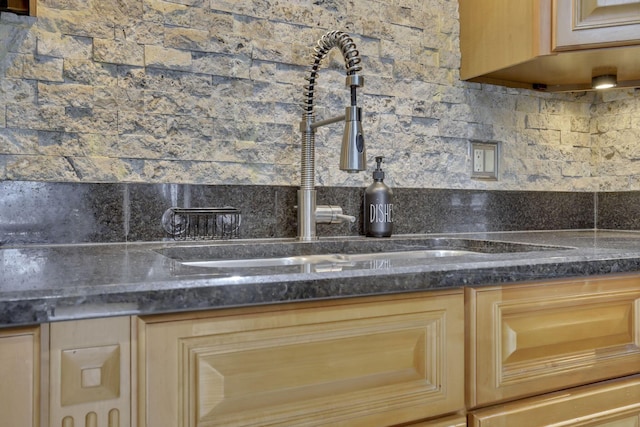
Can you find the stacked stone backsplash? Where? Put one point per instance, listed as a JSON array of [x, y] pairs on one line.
[[207, 92]]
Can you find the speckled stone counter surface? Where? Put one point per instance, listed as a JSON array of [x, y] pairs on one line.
[[59, 282]]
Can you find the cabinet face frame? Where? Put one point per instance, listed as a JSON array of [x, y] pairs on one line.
[[90, 372], [528, 339], [373, 361], [20, 368]]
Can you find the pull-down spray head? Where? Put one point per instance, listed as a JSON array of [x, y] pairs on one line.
[[352, 154]]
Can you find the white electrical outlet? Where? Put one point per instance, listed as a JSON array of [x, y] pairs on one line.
[[484, 159], [478, 160]]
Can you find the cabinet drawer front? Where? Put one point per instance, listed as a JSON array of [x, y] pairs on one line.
[[530, 339], [608, 404], [363, 364]]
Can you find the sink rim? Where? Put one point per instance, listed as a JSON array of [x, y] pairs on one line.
[[263, 262], [338, 259], [245, 250]]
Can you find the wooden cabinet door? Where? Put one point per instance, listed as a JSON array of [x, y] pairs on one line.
[[19, 377], [497, 34], [609, 404], [363, 362], [549, 44], [587, 24], [90, 373], [19, 6], [528, 339]]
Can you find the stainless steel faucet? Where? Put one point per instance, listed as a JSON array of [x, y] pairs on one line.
[[352, 155]]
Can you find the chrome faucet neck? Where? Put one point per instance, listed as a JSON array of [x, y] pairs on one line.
[[352, 156]]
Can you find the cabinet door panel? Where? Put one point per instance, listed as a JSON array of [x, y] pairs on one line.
[[495, 34], [585, 24], [19, 371], [608, 404], [534, 338], [19, 6], [379, 362]]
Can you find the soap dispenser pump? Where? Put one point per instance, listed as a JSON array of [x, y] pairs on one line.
[[378, 205]]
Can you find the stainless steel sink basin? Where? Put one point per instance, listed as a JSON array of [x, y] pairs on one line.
[[264, 262], [427, 253], [330, 255], [325, 259]]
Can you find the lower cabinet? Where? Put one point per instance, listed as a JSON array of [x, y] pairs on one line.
[[66, 374], [561, 341], [20, 377], [553, 353], [531, 338], [376, 361], [608, 404]]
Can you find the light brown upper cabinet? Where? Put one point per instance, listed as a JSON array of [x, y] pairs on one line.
[[22, 7], [549, 44], [586, 24]]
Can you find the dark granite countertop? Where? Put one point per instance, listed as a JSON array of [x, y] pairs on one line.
[[59, 282]]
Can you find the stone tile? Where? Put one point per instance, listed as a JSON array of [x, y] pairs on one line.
[[40, 212]]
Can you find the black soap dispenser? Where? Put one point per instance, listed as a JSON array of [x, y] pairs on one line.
[[378, 205]]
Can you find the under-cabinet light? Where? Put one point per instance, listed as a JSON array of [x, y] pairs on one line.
[[605, 81]]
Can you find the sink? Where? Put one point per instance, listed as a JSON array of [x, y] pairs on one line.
[[325, 259], [264, 262], [426, 253], [333, 255]]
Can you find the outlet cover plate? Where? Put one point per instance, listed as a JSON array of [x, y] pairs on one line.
[[484, 159]]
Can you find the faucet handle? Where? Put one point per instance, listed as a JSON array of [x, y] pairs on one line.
[[327, 214], [345, 218]]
